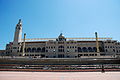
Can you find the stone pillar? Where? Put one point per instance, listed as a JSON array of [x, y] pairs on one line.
[[23, 50], [97, 43]]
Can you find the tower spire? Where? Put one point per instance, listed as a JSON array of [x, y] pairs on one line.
[[18, 32], [19, 21]]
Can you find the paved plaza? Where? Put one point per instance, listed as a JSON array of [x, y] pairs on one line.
[[59, 76]]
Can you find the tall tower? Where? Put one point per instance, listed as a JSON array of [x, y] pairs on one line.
[[17, 38], [18, 32]]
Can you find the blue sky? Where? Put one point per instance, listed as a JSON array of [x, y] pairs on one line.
[[48, 18]]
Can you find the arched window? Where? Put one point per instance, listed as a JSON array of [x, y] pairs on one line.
[[113, 50], [79, 49], [60, 50], [43, 49], [61, 46], [20, 54], [94, 49], [38, 49], [90, 49], [84, 49], [25, 49], [33, 49], [106, 50], [21, 49], [61, 56], [101, 49], [28, 49]]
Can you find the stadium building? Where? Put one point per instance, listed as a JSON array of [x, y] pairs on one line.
[[61, 47]]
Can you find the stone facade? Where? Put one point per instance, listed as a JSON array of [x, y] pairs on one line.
[[61, 47]]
